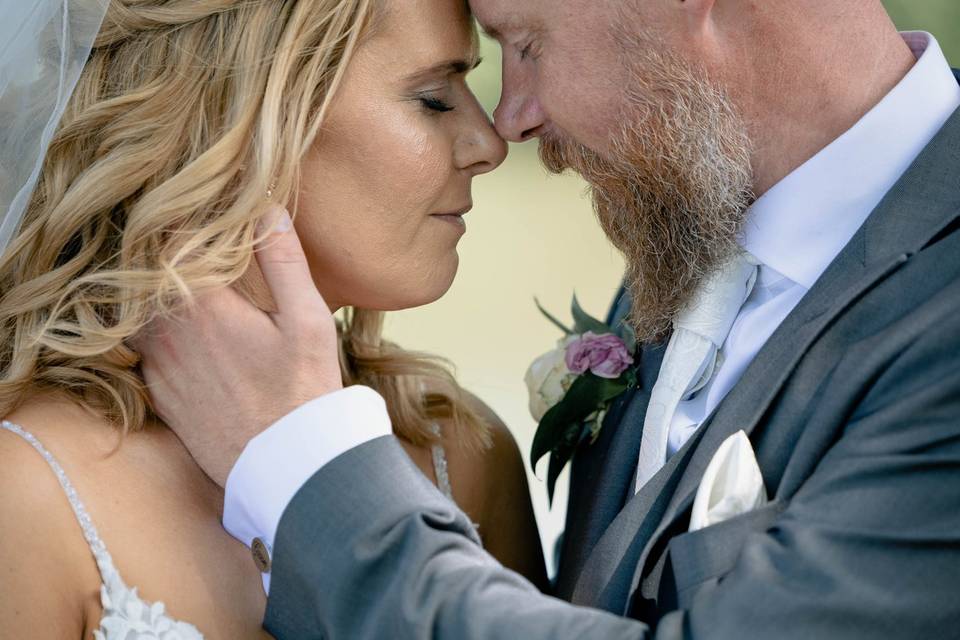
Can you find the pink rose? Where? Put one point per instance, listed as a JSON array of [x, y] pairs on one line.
[[606, 355]]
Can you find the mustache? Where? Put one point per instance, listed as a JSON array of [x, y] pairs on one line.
[[671, 197], [559, 152]]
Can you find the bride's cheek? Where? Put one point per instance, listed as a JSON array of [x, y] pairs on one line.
[[366, 222], [419, 173]]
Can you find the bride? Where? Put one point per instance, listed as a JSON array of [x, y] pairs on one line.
[[190, 122]]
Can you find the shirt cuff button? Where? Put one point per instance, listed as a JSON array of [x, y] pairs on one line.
[[261, 555]]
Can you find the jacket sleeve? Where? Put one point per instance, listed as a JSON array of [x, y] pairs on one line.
[[868, 546], [370, 549]]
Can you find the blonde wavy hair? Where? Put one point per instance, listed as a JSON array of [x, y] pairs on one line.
[[186, 114]]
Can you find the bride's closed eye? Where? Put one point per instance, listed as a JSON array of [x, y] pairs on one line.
[[435, 104], [448, 73]]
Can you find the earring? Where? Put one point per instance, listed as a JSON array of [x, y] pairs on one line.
[[270, 190]]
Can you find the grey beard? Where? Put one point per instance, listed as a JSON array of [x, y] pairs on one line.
[[673, 191]]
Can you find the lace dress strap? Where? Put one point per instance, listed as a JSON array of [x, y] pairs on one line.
[[100, 553], [440, 466], [125, 615]]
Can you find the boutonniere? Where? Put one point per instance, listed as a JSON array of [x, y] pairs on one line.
[[571, 388]]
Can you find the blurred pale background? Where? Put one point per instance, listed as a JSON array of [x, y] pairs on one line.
[[531, 234]]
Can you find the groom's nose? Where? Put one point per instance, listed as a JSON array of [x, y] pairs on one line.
[[519, 116]]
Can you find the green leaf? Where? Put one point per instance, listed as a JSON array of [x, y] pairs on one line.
[[628, 335], [583, 321], [587, 393], [553, 319], [559, 458]]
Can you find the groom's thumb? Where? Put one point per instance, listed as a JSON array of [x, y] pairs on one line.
[[285, 270]]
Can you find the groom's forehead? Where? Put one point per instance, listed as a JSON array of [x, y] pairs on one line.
[[500, 18]]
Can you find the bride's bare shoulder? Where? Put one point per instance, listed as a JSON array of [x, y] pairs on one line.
[[50, 577], [67, 432], [75, 437], [482, 475]]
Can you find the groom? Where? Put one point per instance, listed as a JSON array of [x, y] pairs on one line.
[[784, 181]]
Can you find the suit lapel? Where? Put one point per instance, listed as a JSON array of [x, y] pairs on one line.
[[627, 544], [603, 473], [593, 483], [748, 401], [606, 577], [924, 202]]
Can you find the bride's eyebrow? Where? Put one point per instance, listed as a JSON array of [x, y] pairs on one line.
[[446, 68]]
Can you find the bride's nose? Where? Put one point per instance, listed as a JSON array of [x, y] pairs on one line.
[[479, 148]]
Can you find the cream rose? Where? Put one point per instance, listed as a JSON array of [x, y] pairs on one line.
[[548, 379]]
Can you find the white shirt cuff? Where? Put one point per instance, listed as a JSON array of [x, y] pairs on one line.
[[278, 462]]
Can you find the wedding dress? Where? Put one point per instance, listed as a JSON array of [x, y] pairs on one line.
[[126, 616]]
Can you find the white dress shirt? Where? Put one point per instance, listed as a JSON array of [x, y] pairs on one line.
[[275, 464], [818, 207]]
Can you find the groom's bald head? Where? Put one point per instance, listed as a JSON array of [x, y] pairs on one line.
[[679, 112]]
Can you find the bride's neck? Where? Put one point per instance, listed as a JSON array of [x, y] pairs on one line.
[[75, 431]]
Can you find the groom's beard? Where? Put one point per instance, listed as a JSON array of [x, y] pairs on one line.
[[672, 192]]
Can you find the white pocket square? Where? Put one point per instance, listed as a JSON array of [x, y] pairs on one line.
[[732, 484]]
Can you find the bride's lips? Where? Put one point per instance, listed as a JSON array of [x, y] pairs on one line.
[[454, 217]]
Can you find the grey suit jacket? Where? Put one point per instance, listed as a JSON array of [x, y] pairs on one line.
[[853, 408]]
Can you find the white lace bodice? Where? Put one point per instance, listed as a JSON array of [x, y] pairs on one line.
[[125, 615], [441, 468]]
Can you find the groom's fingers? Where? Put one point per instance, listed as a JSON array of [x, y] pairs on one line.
[[161, 395], [286, 271]]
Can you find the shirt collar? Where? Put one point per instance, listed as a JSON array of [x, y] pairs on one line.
[[801, 224]]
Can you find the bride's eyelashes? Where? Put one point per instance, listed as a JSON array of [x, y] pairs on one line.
[[452, 83], [434, 104]]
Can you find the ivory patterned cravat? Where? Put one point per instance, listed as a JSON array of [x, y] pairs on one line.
[[693, 354]]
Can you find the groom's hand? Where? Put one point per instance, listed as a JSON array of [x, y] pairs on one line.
[[222, 371]]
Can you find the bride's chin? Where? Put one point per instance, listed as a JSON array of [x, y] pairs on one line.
[[425, 290]]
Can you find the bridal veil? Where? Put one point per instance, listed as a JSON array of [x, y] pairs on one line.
[[44, 45]]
